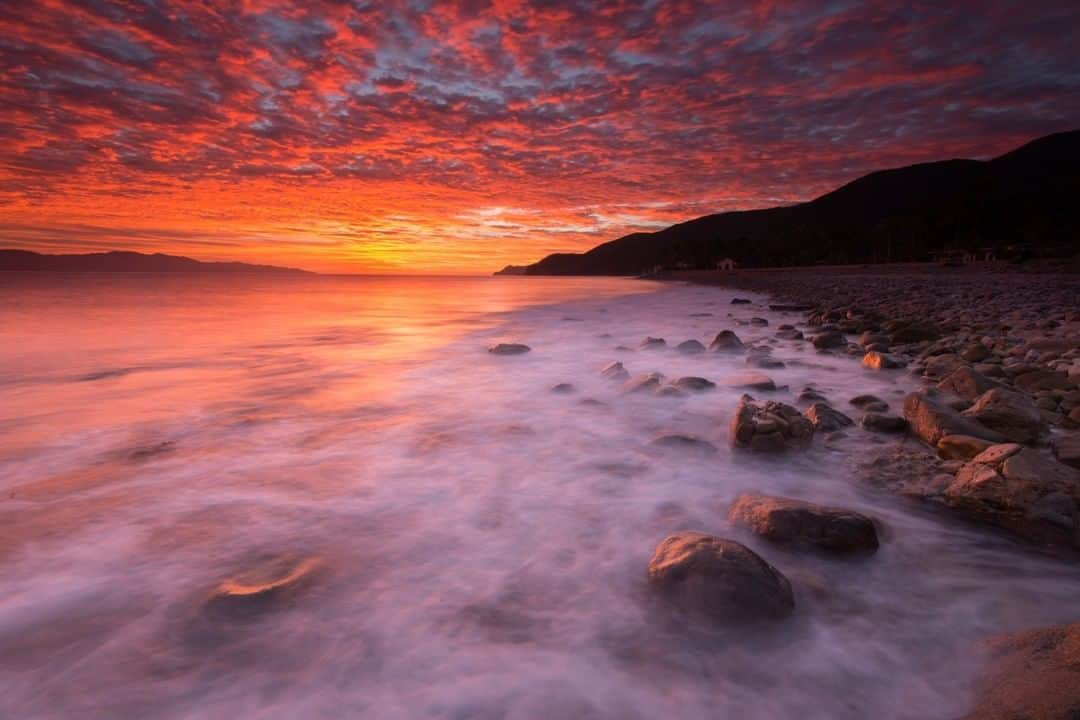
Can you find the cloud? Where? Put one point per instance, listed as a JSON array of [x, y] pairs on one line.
[[268, 120]]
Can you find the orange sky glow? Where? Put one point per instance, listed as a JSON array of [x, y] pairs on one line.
[[458, 137]]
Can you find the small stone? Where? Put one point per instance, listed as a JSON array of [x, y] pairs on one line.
[[827, 419], [1066, 448], [648, 381], [750, 381], [563, 388], [966, 383], [828, 340], [740, 301], [726, 341], [869, 402], [694, 384], [884, 422], [961, 447], [679, 441], [615, 371], [880, 361], [653, 343]]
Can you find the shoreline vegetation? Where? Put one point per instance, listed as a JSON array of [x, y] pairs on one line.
[[991, 439]]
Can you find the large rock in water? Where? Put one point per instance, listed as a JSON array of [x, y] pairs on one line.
[[726, 341], [1022, 490], [769, 427], [1013, 415], [690, 347], [641, 383], [721, 579], [931, 419], [1032, 675], [827, 419], [785, 520]]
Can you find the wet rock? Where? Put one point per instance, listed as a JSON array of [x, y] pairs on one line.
[[750, 381], [669, 391], [961, 447], [726, 341], [615, 371], [641, 383], [563, 389], [827, 340], [869, 403], [759, 322], [740, 301], [875, 360], [764, 362], [509, 349], [653, 343], [913, 333], [811, 396], [690, 347], [939, 366], [769, 427], [789, 334], [1033, 675], [1067, 449], [1042, 380], [976, 352], [872, 338], [720, 579], [683, 442], [827, 419], [1022, 490], [1011, 414], [785, 520], [268, 585], [966, 383], [884, 423], [931, 419], [694, 384]]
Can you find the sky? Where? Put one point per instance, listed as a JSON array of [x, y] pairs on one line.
[[432, 136]]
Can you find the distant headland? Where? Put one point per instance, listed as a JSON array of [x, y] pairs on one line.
[[123, 261]]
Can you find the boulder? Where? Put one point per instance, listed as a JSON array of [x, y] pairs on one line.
[[694, 384], [769, 427], [875, 360], [1066, 448], [641, 383], [680, 441], [653, 343], [722, 580], [966, 383], [931, 419], [1022, 490], [884, 422], [690, 347], [726, 341], [615, 371], [830, 339], [785, 520], [961, 447], [826, 419], [509, 349], [1013, 415], [1033, 675], [749, 381]]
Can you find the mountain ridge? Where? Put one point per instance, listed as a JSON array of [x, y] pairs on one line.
[[1021, 198], [127, 261]]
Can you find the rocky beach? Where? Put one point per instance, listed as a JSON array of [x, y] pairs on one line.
[[991, 438]]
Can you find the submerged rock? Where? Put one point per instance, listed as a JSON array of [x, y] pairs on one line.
[[740, 301], [789, 334], [563, 388], [726, 341], [769, 427], [1033, 675], [648, 381], [720, 579], [869, 403], [263, 587], [749, 381], [786, 520], [690, 347], [681, 441], [830, 339], [1012, 414], [827, 419], [615, 371], [509, 349], [694, 384], [653, 343]]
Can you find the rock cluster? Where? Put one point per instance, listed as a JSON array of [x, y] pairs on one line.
[[769, 427]]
